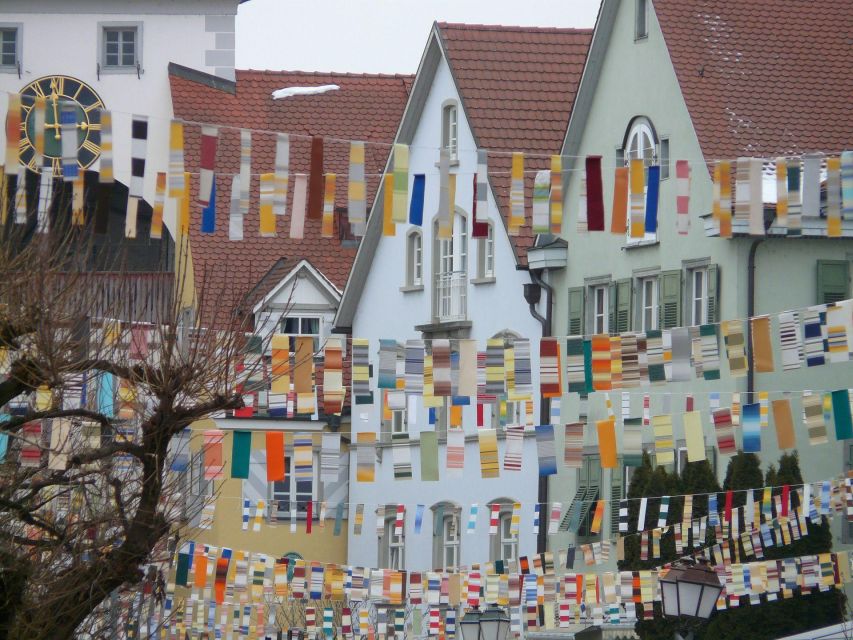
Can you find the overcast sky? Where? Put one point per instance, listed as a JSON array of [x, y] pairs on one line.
[[376, 36]]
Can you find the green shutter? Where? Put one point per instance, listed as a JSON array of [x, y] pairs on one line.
[[670, 299], [611, 307], [576, 311], [623, 306], [833, 280], [713, 293], [616, 482]]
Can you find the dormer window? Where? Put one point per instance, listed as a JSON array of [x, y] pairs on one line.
[[450, 129]]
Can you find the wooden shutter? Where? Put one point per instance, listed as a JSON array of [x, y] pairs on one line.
[[669, 303], [616, 484], [713, 275], [833, 280], [611, 307], [576, 300], [623, 306]]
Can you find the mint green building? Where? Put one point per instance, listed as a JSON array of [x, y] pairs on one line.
[[676, 80]]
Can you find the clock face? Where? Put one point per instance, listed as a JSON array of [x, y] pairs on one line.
[[56, 90]]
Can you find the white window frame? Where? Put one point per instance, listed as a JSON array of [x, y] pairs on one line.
[[105, 68], [273, 499], [664, 158], [302, 333], [486, 255], [641, 143], [649, 303], [641, 19], [450, 129], [444, 544], [700, 297], [600, 321], [415, 259], [503, 546], [392, 549], [450, 263], [18, 29]]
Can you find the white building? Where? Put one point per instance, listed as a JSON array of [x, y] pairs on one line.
[[120, 51], [476, 87]]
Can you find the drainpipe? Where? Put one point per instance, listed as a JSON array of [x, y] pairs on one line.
[[750, 311], [544, 403]]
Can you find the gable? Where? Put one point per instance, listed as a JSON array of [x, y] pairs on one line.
[[304, 287]]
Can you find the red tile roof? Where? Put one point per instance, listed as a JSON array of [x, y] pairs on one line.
[[763, 78], [517, 86], [367, 107]]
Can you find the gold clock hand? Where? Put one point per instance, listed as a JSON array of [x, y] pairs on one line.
[[55, 96]]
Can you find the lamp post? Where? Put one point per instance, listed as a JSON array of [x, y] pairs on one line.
[[491, 624], [690, 590]]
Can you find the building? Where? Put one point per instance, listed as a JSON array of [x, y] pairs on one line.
[[670, 80], [114, 55], [281, 284], [477, 87]]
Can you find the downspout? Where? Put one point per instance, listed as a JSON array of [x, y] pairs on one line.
[[750, 312], [544, 408]]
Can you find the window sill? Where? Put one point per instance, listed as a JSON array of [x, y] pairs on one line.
[[641, 243], [7, 69], [411, 288], [642, 38], [453, 164], [489, 280], [118, 71]]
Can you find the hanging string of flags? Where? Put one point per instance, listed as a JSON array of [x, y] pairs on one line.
[[247, 590], [635, 207]]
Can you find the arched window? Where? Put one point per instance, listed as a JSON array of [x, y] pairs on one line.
[[450, 270], [641, 141], [446, 541], [486, 254], [414, 259], [450, 128], [504, 545]]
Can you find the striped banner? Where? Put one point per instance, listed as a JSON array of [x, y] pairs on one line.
[[545, 449], [327, 228], [556, 195], [266, 216], [664, 444], [550, 382], [523, 379], [246, 173], [513, 448], [401, 456], [516, 194], [710, 351], [480, 208], [814, 418], [723, 178], [601, 371], [207, 163], [177, 182], [414, 367], [488, 441], [495, 374], [735, 341], [833, 197], [333, 387], [637, 202], [847, 185], [682, 197], [282, 173], [214, 467], [724, 429], [441, 368], [790, 340], [782, 193], [68, 145], [235, 218], [455, 452], [541, 202], [400, 200], [365, 459], [361, 371], [795, 206]]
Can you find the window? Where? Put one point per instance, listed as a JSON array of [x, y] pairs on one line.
[[641, 19], [698, 296], [446, 539], [641, 144], [198, 485], [515, 414], [391, 547], [648, 303], [664, 158], [302, 326], [414, 259], [450, 130], [600, 309], [486, 254], [504, 545], [833, 281], [10, 48], [120, 47], [450, 271], [293, 492]]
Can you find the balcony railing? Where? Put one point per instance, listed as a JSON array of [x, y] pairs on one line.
[[451, 296], [130, 296]]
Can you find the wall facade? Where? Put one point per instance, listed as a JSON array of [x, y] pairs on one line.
[[637, 79], [389, 309]]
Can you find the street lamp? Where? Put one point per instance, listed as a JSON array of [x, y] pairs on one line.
[[690, 590], [491, 624]]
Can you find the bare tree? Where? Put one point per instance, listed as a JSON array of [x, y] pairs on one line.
[[98, 373]]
